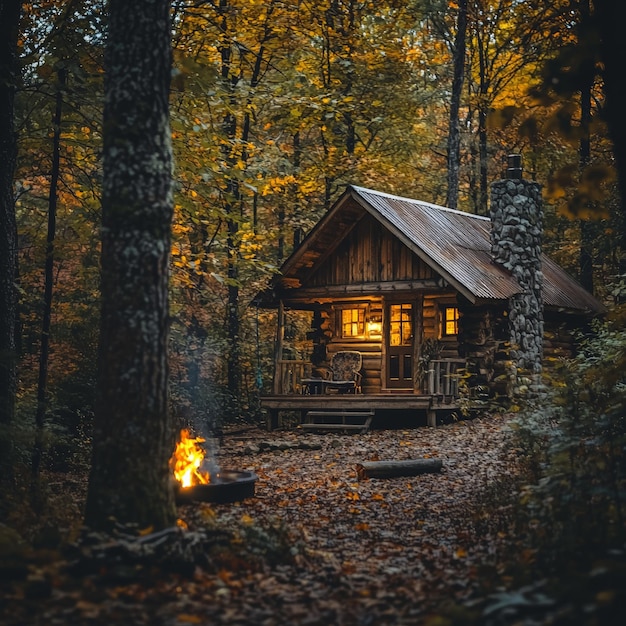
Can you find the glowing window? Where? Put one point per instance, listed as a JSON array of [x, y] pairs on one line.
[[353, 322], [450, 321], [400, 324]]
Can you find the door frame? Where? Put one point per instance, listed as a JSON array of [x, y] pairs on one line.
[[416, 302]]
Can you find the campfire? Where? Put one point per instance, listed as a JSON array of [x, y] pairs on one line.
[[199, 478], [187, 461]]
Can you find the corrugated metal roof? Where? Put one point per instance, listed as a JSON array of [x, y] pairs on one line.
[[562, 291], [454, 243], [459, 244]]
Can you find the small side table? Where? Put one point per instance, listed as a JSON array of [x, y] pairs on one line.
[[313, 386]]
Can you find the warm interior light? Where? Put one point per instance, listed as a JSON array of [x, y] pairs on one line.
[[374, 328], [187, 460]]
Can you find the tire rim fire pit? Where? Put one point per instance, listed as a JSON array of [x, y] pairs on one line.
[[195, 480], [227, 486]]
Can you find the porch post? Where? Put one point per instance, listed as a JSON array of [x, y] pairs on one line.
[[278, 348]]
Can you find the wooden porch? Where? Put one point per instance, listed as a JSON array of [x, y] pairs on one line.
[[343, 403], [440, 393]]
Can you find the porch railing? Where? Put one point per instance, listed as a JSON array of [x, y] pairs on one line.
[[443, 377], [288, 376]]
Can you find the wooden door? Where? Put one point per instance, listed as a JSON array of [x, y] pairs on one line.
[[399, 345]]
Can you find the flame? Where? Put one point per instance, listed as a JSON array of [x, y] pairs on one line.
[[187, 460]]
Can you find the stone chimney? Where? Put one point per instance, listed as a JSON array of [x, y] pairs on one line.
[[516, 213]]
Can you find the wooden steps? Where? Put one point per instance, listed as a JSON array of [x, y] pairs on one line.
[[343, 420]]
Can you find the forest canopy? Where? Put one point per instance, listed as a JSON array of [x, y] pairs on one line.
[[275, 107]]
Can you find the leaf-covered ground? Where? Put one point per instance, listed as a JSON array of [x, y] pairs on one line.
[[317, 546]]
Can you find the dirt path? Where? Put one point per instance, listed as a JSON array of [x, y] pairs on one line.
[[366, 552]]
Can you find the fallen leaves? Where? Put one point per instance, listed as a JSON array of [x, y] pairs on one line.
[[376, 551], [185, 618], [412, 530]]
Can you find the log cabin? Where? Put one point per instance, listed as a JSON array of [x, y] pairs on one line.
[[427, 297]]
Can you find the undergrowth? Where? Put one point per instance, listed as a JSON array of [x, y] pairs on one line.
[[562, 516]]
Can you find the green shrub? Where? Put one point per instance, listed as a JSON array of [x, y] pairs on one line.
[[573, 437]]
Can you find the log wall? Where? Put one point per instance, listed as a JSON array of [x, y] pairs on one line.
[[484, 341], [326, 339], [371, 349], [559, 336], [431, 322]]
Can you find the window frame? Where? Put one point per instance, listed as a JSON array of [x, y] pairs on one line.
[[444, 307], [402, 323], [339, 324]]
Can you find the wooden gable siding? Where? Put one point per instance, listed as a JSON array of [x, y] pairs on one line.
[[370, 254]]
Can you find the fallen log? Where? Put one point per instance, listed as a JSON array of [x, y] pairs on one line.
[[391, 469]]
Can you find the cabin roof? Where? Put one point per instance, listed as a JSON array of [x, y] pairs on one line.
[[455, 244]]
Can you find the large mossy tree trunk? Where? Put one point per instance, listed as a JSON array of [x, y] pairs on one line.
[[133, 434]]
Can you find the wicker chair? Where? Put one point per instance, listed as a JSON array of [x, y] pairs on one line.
[[344, 373]]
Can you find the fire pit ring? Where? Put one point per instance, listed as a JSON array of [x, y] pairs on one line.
[[228, 486]]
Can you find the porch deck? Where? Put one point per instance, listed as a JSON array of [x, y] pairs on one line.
[[357, 402], [292, 392]]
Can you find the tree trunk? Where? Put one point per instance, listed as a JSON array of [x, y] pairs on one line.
[[9, 21], [232, 203], [483, 162], [483, 90], [454, 135], [133, 433], [233, 210], [613, 50], [392, 469], [236, 155], [584, 152], [44, 348]]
